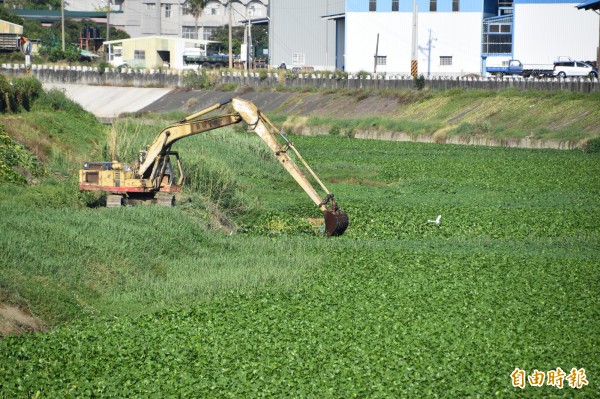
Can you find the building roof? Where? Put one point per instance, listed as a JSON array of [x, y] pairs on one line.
[[9, 23], [256, 21], [590, 5], [334, 16], [54, 15]]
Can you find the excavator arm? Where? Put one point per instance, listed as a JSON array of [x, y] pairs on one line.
[[154, 164], [336, 221]]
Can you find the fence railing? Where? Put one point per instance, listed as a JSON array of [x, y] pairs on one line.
[[175, 78]]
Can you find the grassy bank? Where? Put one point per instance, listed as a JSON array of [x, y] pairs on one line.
[[509, 113], [496, 114]]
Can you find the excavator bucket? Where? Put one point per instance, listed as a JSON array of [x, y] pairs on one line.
[[336, 222]]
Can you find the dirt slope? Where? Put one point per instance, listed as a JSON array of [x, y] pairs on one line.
[[15, 321]]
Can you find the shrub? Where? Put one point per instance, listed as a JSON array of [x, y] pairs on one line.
[[72, 55], [198, 80], [56, 54], [17, 165], [363, 74], [419, 82], [7, 96], [102, 67], [56, 100], [227, 87], [27, 90], [592, 146]]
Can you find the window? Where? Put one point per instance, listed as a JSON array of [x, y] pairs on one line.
[[189, 32], [298, 59], [433, 5], [139, 55], [150, 6], [167, 10], [395, 6], [456, 5], [254, 11], [186, 8], [372, 5], [499, 28], [445, 60], [497, 36], [208, 33], [381, 60]]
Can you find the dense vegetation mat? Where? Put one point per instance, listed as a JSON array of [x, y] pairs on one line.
[[397, 307]]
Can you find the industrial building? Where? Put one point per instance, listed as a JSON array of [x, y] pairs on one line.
[[151, 51], [453, 37], [9, 35], [174, 17], [307, 33]]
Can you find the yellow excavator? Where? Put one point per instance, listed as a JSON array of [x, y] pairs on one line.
[[151, 179]]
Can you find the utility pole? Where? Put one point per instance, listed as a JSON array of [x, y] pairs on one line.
[[376, 55], [62, 24], [108, 29], [250, 55], [414, 63], [108, 21], [230, 37]]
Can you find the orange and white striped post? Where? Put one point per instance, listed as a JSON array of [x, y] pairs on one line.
[[414, 64]]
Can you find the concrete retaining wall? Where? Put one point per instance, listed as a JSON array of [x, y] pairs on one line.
[[515, 142], [170, 78]]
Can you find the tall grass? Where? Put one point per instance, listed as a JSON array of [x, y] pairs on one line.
[[127, 136], [65, 262]]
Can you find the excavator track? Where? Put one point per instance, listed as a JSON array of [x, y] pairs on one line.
[[114, 201], [165, 200]]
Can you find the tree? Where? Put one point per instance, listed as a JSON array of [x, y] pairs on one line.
[[34, 4], [260, 37], [196, 8], [7, 15]]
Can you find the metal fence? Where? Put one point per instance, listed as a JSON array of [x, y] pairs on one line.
[[172, 78]]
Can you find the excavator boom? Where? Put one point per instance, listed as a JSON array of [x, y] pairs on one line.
[[336, 221], [152, 177]]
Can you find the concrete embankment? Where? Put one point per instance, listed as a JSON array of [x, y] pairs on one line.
[[108, 102]]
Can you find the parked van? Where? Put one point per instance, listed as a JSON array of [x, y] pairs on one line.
[[562, 69]]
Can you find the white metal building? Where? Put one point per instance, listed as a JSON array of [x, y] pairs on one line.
[[454, 37], [566, 31], [448, 43]]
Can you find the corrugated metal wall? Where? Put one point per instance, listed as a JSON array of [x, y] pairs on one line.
[[543, 32], [312, 41]]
